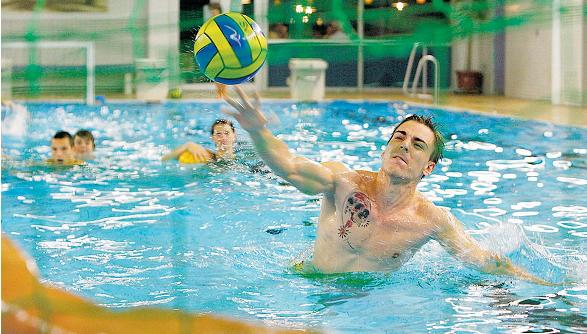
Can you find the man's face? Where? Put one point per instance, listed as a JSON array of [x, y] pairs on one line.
[[83, 146], [407, 155], [61, 149], [223, 136]]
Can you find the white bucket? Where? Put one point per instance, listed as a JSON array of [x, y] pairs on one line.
[[308, 79]]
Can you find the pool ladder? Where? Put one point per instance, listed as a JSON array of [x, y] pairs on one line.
[[421, 71]]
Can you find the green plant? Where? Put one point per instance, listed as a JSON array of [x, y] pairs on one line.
[[466, 18]]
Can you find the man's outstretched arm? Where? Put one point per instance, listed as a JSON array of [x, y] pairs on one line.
[[461, 245], [306, 175], [199, 152]]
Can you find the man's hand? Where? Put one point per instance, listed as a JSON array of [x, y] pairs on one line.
[[199, 153], [501, 265], [248, 113], [452, 236]]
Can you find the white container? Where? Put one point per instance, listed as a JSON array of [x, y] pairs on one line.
[[308, 79], [152, 79]]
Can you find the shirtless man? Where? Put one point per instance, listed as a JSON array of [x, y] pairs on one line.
[[373, 221], [62, 152]]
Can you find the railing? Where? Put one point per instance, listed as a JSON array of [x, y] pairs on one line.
[[421, 71]]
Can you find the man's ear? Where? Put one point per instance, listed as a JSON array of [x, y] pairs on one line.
[[429, 168]]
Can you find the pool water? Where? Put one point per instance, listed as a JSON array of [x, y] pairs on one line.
[[128, 230]]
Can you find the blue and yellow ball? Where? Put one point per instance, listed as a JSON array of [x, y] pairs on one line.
[[230, 48]]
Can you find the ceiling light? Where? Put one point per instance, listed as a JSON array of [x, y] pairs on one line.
[[400, 5]]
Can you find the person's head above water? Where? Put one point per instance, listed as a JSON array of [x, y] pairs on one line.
[[223, 135], [83, 143], [220, 122], [414, 148], [62, 147]]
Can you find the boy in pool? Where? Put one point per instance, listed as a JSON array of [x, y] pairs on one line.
[[224, 137], [62, 152], [84, 145], [373, 221]]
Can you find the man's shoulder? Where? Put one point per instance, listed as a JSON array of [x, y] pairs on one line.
[[430, 211], [365, 173], [336, 167], [363, 178], [54, 163]]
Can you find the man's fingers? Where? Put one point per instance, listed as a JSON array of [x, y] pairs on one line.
[[233, 103], [241, 92], [257, 100], [246, 101]]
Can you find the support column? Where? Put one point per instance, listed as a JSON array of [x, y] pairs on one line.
[[360, 49], [261, 9], [568, 52], [584, 60], [499, 53], [556, 62], [163, 35]]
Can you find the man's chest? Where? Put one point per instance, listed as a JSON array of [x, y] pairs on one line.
[[367, 227]]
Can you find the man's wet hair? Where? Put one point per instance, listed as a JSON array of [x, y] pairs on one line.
[[64, 134], [86, 135], [437, 154], [221, 121]]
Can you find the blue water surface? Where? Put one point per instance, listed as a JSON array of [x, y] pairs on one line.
[[129, 230]]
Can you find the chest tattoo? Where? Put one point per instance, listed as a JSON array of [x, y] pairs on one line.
[[356, 212]]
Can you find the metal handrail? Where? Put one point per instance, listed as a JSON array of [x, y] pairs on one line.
[[421, 69], [421, 65], [410, 64]]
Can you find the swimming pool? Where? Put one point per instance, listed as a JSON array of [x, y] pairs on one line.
[[128, 230]]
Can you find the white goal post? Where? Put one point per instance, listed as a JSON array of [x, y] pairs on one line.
[[90, 58]]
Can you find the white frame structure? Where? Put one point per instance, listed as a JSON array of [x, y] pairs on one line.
[[90, 58]]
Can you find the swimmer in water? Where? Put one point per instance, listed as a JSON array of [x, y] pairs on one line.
[[224, 137], [62, 152], [84, 145], [373, 221]]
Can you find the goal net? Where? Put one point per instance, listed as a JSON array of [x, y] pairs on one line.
[[64, 69]]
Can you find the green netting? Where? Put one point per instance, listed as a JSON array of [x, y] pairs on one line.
[[372, 34]]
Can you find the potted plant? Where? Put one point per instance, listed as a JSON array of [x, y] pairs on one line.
[[466, 17]]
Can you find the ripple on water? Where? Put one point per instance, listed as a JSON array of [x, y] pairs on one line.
[[526, 164], [569, 211], [572, 180], [577, 293], [541, 228]]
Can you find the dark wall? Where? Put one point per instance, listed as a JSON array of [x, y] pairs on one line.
[[379, 71]]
